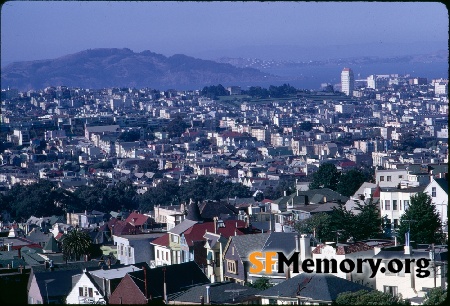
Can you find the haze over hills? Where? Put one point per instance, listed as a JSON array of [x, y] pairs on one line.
[[99, 68], [324, 52]]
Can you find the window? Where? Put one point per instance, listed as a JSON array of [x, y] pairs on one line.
[[217, 258], [85, 291], [231, 266], [129, 251], [167, 256], [400, 202], [121, 249], [391, 290], [395, 223], [400, 176], [394, 205], [387, 205], [157, 254], [388, 178], [405, 204], [433, 192], [381, 178]]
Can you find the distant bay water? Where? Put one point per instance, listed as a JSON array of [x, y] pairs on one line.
[[311, 77]]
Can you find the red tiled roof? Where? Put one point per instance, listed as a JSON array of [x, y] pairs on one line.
[[231, 134], [162, 241], [124, 228], [352, 248], [347, 164], [267, 201], [196, 232], [139, 219]]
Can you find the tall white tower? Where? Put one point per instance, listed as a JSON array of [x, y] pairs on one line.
[[347, 81]]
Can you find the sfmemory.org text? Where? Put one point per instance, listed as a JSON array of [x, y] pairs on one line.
[[257, 259]]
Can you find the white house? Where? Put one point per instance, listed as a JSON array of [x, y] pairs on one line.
[[135, 248], [411, 285], [390, 177], [394, 202], [438, 190], [95, 287]]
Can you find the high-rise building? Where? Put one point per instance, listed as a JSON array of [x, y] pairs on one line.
[[347, 81]]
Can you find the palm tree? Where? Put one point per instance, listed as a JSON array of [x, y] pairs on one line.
[[75, 244]]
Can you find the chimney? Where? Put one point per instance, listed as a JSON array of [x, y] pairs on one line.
[[145, 281], [104, 287], [284, 193], [305, 247], [207, 295], [215, 225], [376, 250], [407, 250], [21, 269], [9, 246]]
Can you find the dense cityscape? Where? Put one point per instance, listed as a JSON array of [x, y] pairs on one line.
[[109, 195]]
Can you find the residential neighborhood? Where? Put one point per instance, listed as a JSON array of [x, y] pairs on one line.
[[141, 196]]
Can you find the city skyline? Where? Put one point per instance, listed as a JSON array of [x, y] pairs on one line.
[[43, 30]]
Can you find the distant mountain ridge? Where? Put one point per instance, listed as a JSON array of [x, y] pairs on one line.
[[105, 67], [440, 56]]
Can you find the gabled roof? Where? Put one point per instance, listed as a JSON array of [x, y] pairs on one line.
[[443, 183], [246, 244], [220, 293], [280, 242], [162, 241], [182, 227], [51, 245], [193, 212], [317, 287], [211, 209], [196, 232], [137, 219], [190, 272]]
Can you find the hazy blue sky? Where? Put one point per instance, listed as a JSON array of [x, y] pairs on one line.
[[48, 29]]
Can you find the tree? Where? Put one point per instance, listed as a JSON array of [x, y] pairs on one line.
[[130, 136], [306, 126], [349, 182], [364, 297], [176, 127], [319, 225], [423, 220], [326, 177], [367, 224], [261, 283], [436, 296], [75, 244]]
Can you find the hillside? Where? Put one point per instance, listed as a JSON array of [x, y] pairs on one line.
[[100, 68]]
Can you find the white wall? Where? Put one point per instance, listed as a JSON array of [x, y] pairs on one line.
[[74, 295]]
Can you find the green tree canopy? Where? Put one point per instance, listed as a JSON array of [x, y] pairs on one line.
[[75, 244], [364, 297], [176, 127], [350, 181], [436, 296], [261, 283], [129, 136], [319, 225], [326, 177], [342, 224], [306, 126], [423, 220]]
